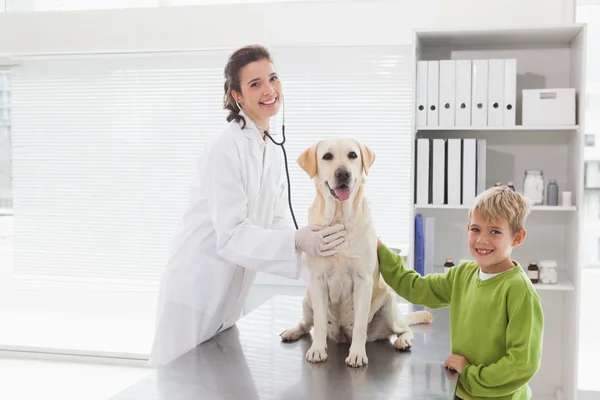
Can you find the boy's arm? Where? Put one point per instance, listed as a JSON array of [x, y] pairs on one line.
[[433, 291], [523, 352]]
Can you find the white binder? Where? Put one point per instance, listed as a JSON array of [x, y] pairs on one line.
[[496, 92], [453, 174], [447, 92], [463, 93], [479, 90], [481, 165], [469, 168], [433, 76], [421, 94], [510, 91], [438, 173], [422, 172]]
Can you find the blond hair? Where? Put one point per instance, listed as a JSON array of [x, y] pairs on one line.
[[501, 203]]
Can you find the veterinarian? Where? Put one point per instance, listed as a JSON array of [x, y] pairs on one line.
[[235, 224]]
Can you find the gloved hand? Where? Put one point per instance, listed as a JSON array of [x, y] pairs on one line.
[[320, 241]]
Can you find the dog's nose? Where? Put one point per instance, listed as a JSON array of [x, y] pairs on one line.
[[342, 174]]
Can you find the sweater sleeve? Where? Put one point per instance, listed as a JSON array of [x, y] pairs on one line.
[[433, 291], [523, 352]]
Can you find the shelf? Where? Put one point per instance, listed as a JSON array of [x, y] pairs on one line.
[[514, 37], [516, 128], [563, 284], [466, 207]]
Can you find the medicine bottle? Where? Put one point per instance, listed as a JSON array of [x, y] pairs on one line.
[[449, 264], [533, 272]]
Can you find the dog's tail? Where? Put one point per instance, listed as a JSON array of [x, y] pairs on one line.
[[419, 317]]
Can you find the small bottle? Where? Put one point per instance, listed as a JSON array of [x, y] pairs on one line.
[[449, 264], [498, 184], [511, 185], [533, 272], [552, 193]]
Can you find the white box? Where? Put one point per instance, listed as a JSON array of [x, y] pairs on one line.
[[549, 107]]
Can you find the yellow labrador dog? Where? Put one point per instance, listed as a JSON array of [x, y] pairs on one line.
[[347, 300]]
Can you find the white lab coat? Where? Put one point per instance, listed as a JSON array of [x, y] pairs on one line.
[[235, 225]]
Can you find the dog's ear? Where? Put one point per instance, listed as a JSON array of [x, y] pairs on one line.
[[308, 161], [368, 158]]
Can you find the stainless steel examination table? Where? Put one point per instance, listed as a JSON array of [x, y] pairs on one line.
[[249, 361]]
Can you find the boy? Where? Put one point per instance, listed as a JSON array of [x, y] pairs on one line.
[[496, 322]]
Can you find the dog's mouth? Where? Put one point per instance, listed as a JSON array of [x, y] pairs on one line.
[[341, 193]]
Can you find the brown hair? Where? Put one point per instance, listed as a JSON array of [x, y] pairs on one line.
[[238, 60], [501, 203]]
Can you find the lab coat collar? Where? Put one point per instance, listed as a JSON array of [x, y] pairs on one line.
[[251, 132]]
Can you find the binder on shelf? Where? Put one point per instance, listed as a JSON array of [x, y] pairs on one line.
[[447, 92], [419, 245], [421, 93], [479, 90], [496, 92], [463, 93], [422, 191], [433, 76], [510, 92], [438, 172], [469, 168], [481, 165], [453, 171], [429, 249]]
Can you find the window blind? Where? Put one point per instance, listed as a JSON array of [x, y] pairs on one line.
[[5, 145], [105, 149]]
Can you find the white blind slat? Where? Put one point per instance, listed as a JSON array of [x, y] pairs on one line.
[[105, 149]]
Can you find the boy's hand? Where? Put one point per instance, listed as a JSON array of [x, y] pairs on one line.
[[456, 362], [379, 242]]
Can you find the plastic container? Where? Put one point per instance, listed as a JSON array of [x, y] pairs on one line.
[[552, 193], [548, 272], [533, 186]]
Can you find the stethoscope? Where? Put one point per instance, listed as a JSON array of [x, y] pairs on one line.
[[280, 144]]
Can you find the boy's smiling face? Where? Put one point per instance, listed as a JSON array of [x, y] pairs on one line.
[[491, 243]]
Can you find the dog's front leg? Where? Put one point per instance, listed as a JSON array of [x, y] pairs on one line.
[[320, 305], [363, 289]]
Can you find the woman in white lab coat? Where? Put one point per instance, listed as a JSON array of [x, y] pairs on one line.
[[235, 224]]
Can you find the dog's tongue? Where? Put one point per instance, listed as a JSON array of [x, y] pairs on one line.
[[342, 193]]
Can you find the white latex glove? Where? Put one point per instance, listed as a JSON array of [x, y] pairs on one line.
[[320, 241]]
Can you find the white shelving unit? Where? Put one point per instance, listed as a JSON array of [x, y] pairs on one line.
[[547, 57]]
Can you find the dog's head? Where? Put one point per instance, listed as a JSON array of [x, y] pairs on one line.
[[337, 165]]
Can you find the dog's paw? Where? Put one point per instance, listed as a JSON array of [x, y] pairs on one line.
[[315, 355], [404, 342], [357, 358], [292, 334]]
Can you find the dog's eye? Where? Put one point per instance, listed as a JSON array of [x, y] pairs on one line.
[[352, 155], [328, 156]]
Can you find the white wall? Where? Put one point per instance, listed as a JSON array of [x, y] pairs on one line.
[[197, 27]]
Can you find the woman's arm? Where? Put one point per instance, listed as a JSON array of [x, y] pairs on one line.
[[239, 240]]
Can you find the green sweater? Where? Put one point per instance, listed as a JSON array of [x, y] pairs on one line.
[[496, 324]]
